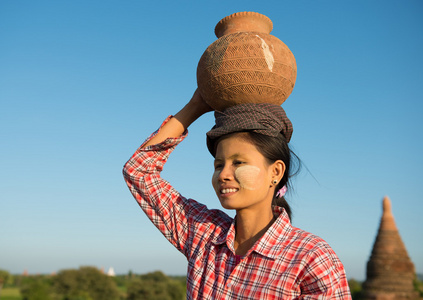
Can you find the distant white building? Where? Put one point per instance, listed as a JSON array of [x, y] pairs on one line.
[[111, 272]]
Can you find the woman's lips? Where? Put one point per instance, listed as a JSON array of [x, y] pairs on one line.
[[226, 191]]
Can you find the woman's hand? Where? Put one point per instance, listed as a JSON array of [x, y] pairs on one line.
[[194, 109], [198, 102]]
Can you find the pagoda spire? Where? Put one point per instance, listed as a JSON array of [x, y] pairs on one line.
[[390, 271]]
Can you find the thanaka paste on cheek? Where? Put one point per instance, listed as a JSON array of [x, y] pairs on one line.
[[247, 176], [215, 178]]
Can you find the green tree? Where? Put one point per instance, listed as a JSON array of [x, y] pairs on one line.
[[4, 276], [176, 290], [418, 286], [36, 288], [156, 276], [87, 283], [140, 289], [155, 286], [355, 288]]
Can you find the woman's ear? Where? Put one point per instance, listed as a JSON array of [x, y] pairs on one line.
[[278, 170]]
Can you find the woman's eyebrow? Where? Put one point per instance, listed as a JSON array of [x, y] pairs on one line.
[[233, 156], [236, 155], [217, 160]]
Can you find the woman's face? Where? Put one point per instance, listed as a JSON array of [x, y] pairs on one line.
[[242, 178]]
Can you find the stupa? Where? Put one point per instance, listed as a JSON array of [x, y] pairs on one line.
[[390, 271], [111, 272]]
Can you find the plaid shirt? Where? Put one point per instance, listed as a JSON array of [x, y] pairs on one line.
[[286, 263]]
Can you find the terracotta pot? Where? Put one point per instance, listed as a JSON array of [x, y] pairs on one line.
[[246, 64]]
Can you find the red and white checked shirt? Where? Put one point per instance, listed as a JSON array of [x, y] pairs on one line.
[[286, 263]]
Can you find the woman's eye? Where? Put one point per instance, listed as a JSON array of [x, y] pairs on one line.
[[237, 163]]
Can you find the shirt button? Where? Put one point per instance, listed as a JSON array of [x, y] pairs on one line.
[[229, 284]]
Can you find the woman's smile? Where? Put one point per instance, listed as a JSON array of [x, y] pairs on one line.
[[227, 191]]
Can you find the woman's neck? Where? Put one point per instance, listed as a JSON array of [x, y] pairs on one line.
[[250, 227]]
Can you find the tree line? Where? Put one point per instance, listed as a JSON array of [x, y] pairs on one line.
[[89, 283]]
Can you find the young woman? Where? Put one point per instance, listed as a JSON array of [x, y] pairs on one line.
[[258, 254]]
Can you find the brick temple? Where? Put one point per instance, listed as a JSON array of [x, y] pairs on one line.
[[390, 271]]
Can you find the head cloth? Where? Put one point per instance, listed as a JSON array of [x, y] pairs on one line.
[[264, 118]]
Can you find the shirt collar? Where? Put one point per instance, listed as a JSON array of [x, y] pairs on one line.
[[228, 237], [270, 244]]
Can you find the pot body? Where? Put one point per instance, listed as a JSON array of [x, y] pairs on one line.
[[246, 64]]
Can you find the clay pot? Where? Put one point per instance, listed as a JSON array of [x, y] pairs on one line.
[[246, 64]]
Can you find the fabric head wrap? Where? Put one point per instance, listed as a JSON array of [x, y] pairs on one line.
[[264, 118]]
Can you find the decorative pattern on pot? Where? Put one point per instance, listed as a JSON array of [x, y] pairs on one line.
[[246, 64]]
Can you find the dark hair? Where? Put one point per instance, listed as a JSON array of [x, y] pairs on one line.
[[273, 149]]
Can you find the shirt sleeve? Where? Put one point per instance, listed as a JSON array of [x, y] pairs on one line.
[[324, 276], [165, 207]]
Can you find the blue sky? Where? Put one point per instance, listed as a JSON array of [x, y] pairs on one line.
[[83, 83]]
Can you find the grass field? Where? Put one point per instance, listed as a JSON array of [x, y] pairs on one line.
[[10, 294]]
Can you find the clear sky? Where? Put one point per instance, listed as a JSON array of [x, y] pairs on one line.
[[83, 83]]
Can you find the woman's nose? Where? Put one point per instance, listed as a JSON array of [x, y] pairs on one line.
[[226, 173]]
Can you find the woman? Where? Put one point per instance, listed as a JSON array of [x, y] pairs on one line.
[[258, 254]]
